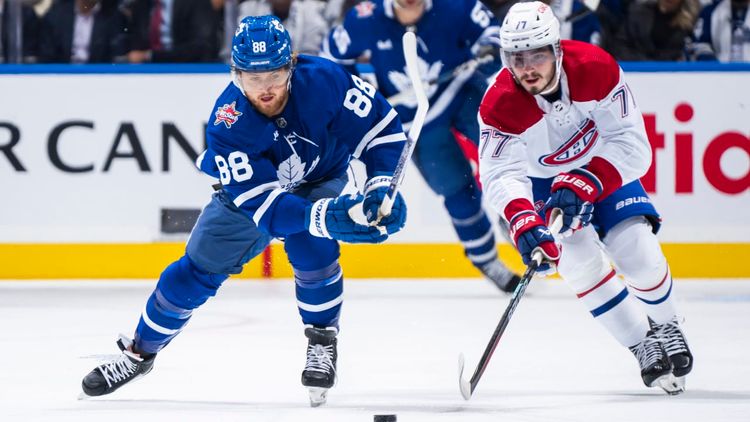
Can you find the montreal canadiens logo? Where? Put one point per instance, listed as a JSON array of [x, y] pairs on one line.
[[227, 114], [575, 147]]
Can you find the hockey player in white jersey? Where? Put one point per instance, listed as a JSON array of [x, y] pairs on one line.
[[560, 130]]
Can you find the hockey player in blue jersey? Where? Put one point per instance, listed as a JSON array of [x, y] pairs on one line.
[[449, 33], [280, 140]]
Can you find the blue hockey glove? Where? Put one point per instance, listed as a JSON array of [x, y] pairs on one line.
[[529, 233], [375, 191], [329, 217], [574, 193]]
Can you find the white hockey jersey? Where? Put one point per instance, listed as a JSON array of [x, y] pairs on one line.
[[595, 123]]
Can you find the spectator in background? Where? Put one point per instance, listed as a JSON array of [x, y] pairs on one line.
[[220, 30], [303, 19], [723, 32], [335, 10], [656, 30], [610, 15], [173, 31], [29, 36], [83, 31]]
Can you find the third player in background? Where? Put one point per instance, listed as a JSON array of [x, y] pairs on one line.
[[449, 34]]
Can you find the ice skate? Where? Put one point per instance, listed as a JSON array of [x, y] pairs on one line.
[[110, 376], [677, 349], [319, 374], [656, 370], [503, 278]]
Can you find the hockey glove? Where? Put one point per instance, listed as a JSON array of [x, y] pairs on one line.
[[329, 217], [375, 191], [530, 234], [574, 193]]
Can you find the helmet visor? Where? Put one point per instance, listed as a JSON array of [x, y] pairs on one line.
[[258, 81], [528, 58]]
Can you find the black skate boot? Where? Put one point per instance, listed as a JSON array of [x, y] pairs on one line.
[[503, 278], [656, 370], [110, 376], [677, 349], [320, 370]]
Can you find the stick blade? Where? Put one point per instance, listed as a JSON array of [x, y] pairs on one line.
[[464, 385]]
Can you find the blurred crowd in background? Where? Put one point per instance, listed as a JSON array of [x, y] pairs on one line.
[[193, 31]]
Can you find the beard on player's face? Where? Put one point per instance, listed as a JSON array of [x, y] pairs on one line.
[[267, 91], [536, 80]]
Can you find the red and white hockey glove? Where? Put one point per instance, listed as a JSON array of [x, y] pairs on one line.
[[574, 193], [529, 233]]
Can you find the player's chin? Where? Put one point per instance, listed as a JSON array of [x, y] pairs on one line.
[[533, 89], [266, 106]]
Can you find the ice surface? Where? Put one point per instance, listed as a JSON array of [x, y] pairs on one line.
[[240, 357]]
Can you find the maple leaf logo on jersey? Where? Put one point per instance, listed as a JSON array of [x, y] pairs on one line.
[[428, 72], [575, 147], [227, 114], [364, 9], [291, 172]]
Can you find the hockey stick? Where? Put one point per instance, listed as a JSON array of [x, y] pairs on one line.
[[402, 97], [412, 69], [576, 16], [590, 7], [467, 387]]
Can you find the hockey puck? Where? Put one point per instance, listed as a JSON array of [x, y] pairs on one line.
[[384, 418]]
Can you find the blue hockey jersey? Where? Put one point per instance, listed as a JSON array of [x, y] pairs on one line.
[[331, 116], [449, 33]]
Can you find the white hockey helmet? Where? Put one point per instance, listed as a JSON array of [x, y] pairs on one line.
[[530, 26]]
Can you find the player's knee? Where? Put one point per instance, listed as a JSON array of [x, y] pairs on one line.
[[636, 252], [446, 183], [445, 173], [224, 239], [309, 253], [582, 262], [185, 285], [464, 202]]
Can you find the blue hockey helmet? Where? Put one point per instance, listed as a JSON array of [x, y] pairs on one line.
[[260, 44]]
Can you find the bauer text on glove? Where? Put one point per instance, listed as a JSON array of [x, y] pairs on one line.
[[574, 193], [529, 233]]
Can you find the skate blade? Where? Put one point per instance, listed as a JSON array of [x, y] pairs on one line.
[[678, 382], [318, 396], [671, 384]]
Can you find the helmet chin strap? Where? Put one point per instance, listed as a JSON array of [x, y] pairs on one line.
[[558, 71], [291, 73], [553, 84], [236, 80]]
